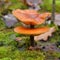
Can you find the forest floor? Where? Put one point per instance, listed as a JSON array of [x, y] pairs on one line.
[[10, 49], [50, 50]]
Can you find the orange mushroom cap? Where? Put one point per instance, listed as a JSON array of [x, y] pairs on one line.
[[45, 15], [30, 16], [28, 31]]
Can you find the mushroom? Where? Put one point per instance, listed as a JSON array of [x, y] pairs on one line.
[[33, 31], [30, 17]]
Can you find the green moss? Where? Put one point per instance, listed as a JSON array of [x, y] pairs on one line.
[[6, 58], [47, 5], [13, 54]]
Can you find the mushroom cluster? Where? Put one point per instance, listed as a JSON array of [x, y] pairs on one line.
[[32, 18]]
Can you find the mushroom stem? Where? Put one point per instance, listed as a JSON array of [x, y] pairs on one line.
[[32, 42]]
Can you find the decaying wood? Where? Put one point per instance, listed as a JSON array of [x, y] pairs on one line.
[[33, 4], [25, 1], [45, 35], [18, 39], [57, 19]]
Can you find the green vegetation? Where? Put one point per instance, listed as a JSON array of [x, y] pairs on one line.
[[9, 49], [10, 53], [47, 5]]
